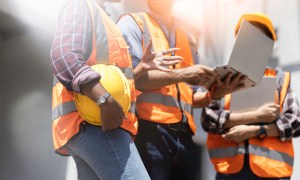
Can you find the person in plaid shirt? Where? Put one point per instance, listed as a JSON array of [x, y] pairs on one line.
[[105, 152], [254, 133]]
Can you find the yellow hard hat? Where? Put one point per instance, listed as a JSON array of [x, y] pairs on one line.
[[115, 82], [258, 18]]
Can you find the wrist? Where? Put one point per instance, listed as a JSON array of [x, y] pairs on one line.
[[253, 130], [253, 116], [180, 75], [208, 97]]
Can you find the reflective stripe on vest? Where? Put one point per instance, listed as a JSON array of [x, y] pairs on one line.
[[166, 100], [107, 48], [153, 105], [63, 109], [226, 152], [262, 153], [271, 154]]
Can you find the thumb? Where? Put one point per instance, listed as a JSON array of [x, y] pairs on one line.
[[149, 47]]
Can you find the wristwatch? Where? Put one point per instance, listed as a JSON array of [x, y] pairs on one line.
[[102, 99], [261, 133]]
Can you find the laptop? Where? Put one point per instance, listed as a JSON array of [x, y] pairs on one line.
[[250, 54], [253, 98]]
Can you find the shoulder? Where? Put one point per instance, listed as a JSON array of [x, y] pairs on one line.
[[128, 25]]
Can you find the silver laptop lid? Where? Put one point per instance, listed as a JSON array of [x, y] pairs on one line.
[[251, 52]]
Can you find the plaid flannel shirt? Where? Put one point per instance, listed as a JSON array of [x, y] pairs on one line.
[[214, 118], [72, 46]]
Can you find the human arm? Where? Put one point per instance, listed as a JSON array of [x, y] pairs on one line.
[[285, 125], [267, 113], [193, 75], [69, 53], [288, 122], [229, 85], [155, 79], [216, 120], [241, 133], [71, 48]]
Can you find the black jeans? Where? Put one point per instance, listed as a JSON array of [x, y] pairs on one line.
[[245, 174], [167, 154]]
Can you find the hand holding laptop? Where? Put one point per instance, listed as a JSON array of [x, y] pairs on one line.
[[228, 85], [249, 55]]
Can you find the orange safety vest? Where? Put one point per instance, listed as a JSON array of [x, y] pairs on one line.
[[269, 158], [66, 119], [162, 105]]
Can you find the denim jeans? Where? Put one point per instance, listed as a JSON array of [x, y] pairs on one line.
[[245, 174], [167, 155], [108, 155]]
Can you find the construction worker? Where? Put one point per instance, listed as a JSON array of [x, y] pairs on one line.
[[86, 36], [164, 107], [257, 144]]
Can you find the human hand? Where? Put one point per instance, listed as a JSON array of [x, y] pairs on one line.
[[268, 112], [240, 133], [157, 60], [112, 114], [198, 75], [229, 85]]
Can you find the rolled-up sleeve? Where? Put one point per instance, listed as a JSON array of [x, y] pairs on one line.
[[213, 118], [289, 121], [72, 45]]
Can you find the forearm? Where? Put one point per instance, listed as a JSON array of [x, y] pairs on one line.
[[241, 119], [93, 90], [156, 79], [138, 71], [200, 99], [271, 130]]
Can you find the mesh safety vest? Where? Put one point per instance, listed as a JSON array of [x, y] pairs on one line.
[[269, 158], [66, 119], [165, 105]]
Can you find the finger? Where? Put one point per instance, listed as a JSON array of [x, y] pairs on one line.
[[169, 63], [149, 47], [227, 79], [163, 69], [227, 137], [218, 82], [236, 78], [172, 58], [240, 86], [168, 51], [243, 78]]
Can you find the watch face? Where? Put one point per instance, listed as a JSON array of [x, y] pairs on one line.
[[262, 135], [102, 100]]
